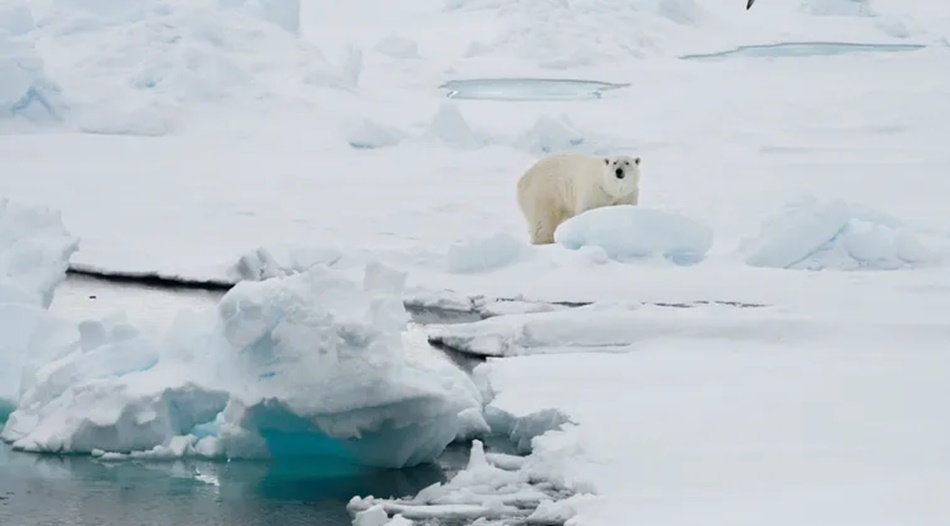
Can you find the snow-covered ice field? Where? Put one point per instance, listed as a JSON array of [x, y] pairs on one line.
[[763, 340]]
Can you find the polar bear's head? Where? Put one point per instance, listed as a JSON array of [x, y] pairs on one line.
[[621, 175]]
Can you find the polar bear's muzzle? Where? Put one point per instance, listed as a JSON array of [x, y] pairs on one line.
[[619, 173]]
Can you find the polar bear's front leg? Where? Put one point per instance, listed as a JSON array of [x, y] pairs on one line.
[[542, 230], [632, 199], [582, 203]]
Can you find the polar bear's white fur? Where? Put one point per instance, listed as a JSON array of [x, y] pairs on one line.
[[562, 185]]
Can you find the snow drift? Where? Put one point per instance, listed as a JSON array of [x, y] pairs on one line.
[[312, 364]]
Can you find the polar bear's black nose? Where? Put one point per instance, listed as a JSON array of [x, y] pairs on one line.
[[619, 172]]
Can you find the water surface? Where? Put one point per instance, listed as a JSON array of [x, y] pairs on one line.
[[77, 490], [803, 49], [527, 89]]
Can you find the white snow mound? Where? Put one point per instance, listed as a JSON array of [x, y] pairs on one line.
[[311, 364], [835, 236], [626, 232]]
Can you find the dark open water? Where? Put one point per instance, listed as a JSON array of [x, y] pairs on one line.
[[43, 490]]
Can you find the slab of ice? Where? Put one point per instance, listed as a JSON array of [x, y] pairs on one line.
[[747, 432], [804, 49], [627, 231], [35, 249], [522, 89], [835, 235], [619, 327], [312, 364]]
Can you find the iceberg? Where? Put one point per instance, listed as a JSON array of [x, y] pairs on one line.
[[315, 364]]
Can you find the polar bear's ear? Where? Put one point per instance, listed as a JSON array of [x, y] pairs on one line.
[[606, 160], [637, 161]]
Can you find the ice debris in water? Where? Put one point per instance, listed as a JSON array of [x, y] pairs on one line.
[[491, 487]]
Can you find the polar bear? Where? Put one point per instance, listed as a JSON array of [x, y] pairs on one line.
[[562, 185]]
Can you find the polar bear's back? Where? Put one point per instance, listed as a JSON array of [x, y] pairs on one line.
[[565, 165], [552, 178]]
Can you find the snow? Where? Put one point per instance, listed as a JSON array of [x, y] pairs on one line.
[[635, 232], [817, 430], [395, 46], [368, 134], [449, 127], [791, 374], [136, 69], [16, 20], [481, 254]]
